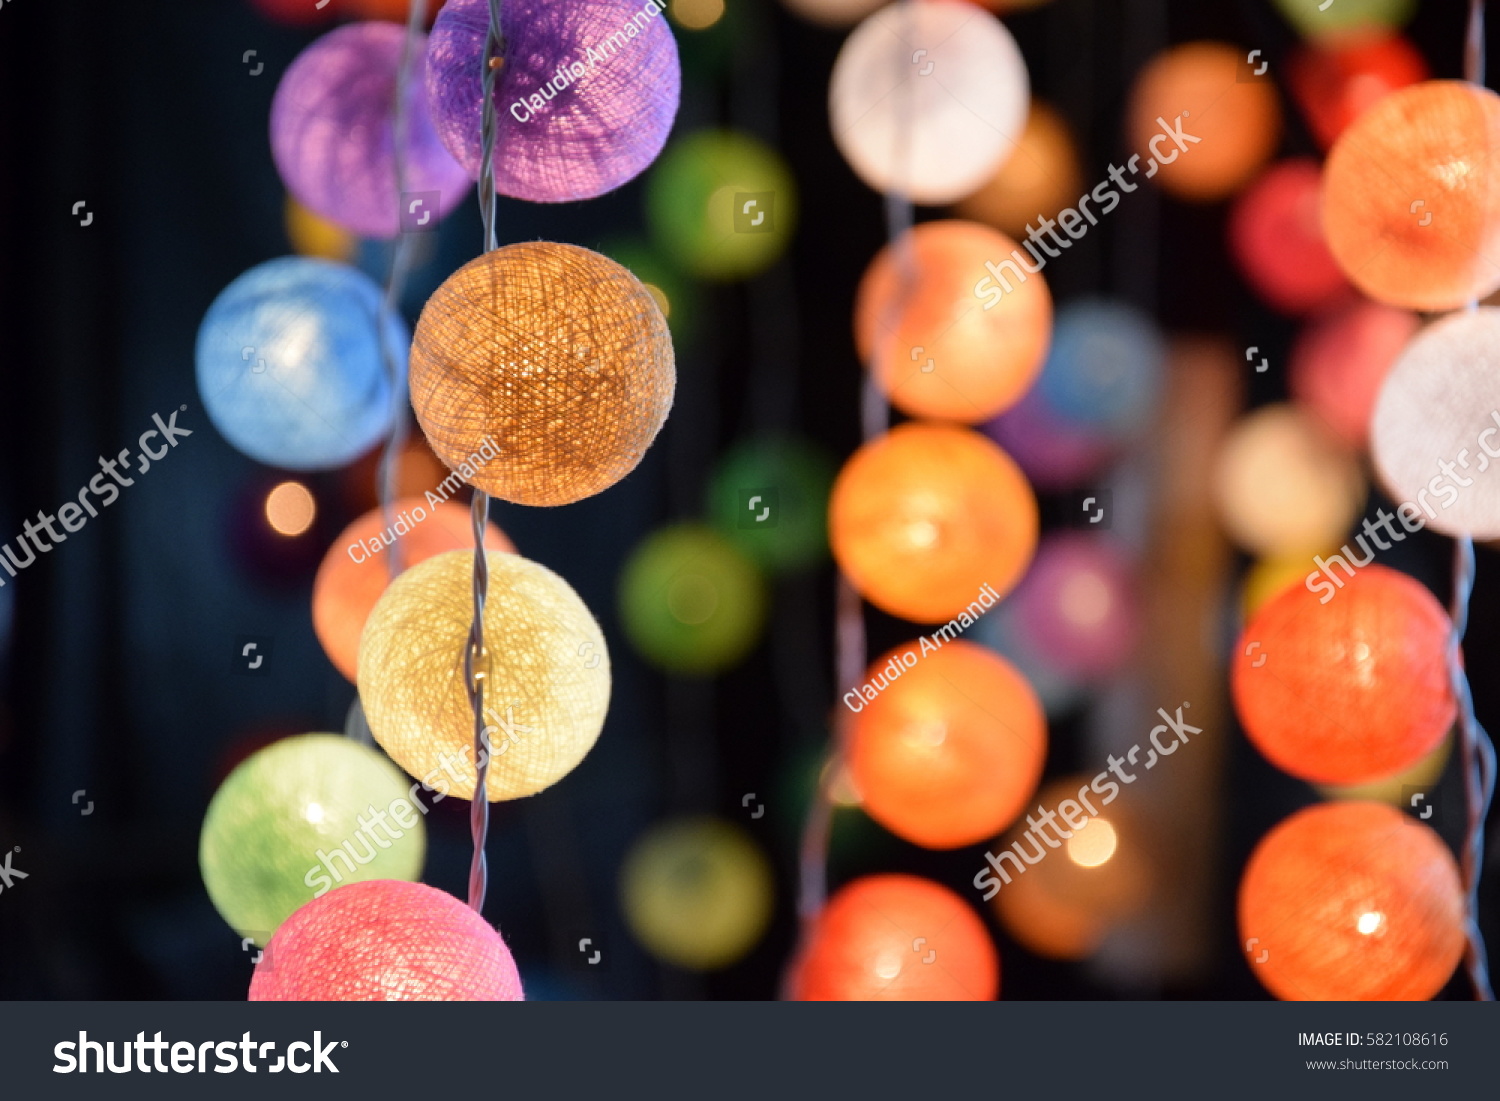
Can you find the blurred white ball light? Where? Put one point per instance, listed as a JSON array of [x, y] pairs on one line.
[[1435, 434], [928, 99]]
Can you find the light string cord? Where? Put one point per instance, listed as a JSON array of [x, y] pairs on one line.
[[492, 57], [850, 643], [1476, 751], [388, 472]]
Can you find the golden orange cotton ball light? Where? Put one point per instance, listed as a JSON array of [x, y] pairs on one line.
[[554, 356], [356, 569], [1345, 685], [1197, 90], [1041, 177], [925, 516], [897, 938], [935, 347], [951, 747], [545, 666], [1411, 199], [1352, 901]]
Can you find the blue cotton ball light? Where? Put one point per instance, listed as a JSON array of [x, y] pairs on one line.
[[289, 364], [1105, 365]]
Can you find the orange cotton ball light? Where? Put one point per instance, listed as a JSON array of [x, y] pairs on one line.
[[923, 518], [356, 569], [1349, 690], [1200, 90], [1411, 199], [1276, 239], [1352, 901], [897, 938], [951, 746], [1041, 177], [936, 348]]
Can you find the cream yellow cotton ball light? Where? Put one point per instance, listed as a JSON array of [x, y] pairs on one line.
[[546, 675]]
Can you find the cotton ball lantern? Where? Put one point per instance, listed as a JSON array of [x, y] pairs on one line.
[[832, 13], [927, 100], [1041, 177], [1411, 204], [296, 819], [1052, 452], [1076, 607], [1347, 686], [289, 364], [583, 102], [689, 601], [935, 350], [1276, 239], [545, 667], [1283, 482], [386, 941], [312, 235], [721, 204], [893, 938], [1197, 89], [697, 893], [769, 496], [1335, 83], [926, 517], [333, 133], [356, 568], [1317, 19], [945, 746], [1105, 366], [1435, 421], [1339, 361], [1274, 574], [551, 355], [1351, 902]]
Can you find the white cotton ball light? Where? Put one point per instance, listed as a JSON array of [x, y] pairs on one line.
[[929, 99], [1435, 434]]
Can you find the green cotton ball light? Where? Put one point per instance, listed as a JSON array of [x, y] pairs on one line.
[[721, 204], [1316, 19], [689, 601], [770, 498], [299, 818]]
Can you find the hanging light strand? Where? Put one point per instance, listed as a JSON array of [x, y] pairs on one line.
[[493, 58]]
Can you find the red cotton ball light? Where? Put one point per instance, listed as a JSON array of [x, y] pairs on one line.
[[1349, 684], [1339, 362], [1335, 84], [1411, 200], [1352, 902], [386, 941], [1276, 239], [897, 938], [950, 750]]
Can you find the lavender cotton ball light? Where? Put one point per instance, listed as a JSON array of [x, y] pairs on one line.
[[333, 134], [583, 102]]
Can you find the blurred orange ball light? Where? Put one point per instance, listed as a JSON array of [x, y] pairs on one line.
[[897, 938], [1339, 362], [1041, 177], [1411, 200], [924, 517], [1202, 87], [934, 348], [1352, 901], [1349, 690], [951, 749], [356, 569], [1335, 84], [290, 508], [1276, 238]]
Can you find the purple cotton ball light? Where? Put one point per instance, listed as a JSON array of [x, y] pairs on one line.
[[1076, 609], [583, 102], [333, 134], [1054, 453]]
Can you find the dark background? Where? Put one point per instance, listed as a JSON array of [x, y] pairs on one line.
[[117, 677]]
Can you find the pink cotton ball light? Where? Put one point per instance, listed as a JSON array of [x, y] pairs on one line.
[[333, 134], [1276, 238], [583, 102], [1076, 609], [1340, 360], [386, 941]]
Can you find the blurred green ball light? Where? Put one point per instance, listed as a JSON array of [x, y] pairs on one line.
[[770, 498]]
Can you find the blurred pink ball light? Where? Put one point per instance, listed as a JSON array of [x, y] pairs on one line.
[[1077, 607], [333, 134], [1052, 452], [1340, 360], [1276, 238]]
